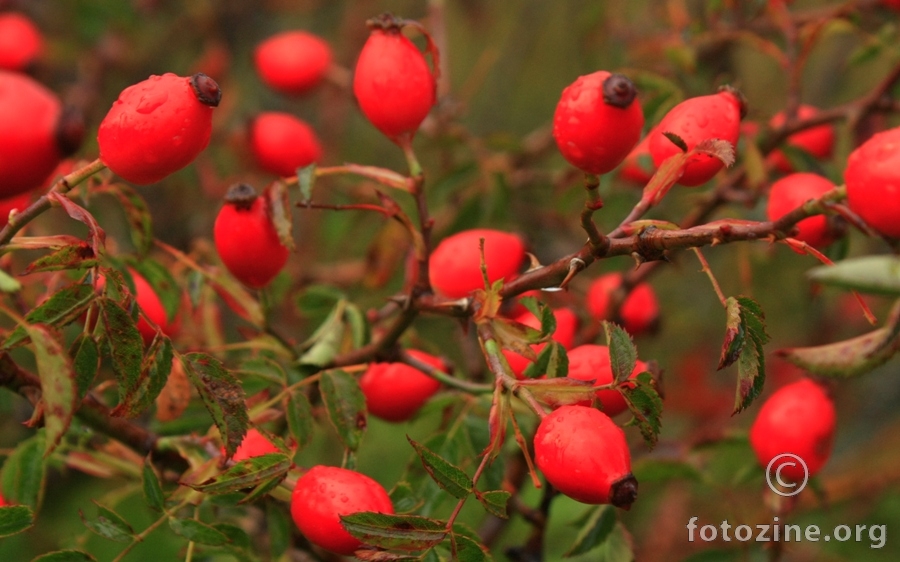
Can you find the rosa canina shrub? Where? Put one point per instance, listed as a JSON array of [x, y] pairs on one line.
[[581, 214]]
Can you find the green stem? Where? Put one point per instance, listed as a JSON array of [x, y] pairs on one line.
[[146, 532]]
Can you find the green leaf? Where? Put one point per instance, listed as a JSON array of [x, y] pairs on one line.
[[645, 405], [157, 365], [85, 362], [73, 256], [404, 499], [236, 536], [263, 488], [346, 406], [264, 368], [676, 140], [469, 550], [595, 531], [126, 347], [495, 502], [306, 178], [384, 556], [222, 395], [198, 532], [279, 527], [298, 412], [25, 471], [734, 334], [15, 519], [136, 211], [358, 325], [616, 548], [325, 342], [153, 493], [63, 307], [551, 361], [751, 360], [9, 284], [246, 474], [65, 556], [449, 477], [58, 390], [868, 274], [109, 525], [622, 352], [400, 532]]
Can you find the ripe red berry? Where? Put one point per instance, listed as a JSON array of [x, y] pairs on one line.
[[818, 141], [638, 167], [21, 42], [396, 391], [325, 493], [598, 121], [254, 444], [717, 116], [292, 62], [638, 312], [246, 239], [455, 265], [591, 362], [158, 126], [798, 419], [873, 182], [794, 190], [566, 326], [281, 143], [393, 84], [152, 307], [585, 456], [35, 133]]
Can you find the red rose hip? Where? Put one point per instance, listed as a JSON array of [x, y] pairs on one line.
[[393, 84], [246, 239], [158, 126], [281, 143], [325, 493], [455, 265], [717, 116], [566, 326], [798, 419], [396, 391], [598, 121], [584, 455], [794, 190], [639, 312], [152, 307], [591, 362], [254, 444], [872, 177], [21, 42], [292, 62], [818, 141]]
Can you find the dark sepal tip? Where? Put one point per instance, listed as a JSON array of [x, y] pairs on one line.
[[619, 91], [623, 492], [206, 89], [241, 195]]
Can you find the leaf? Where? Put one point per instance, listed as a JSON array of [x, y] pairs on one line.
[[325, 341], [65, 556], [645, 405], [676, 140], [346, 406], [279, 211], [175, 396], [404, 499], [63, 307], [153, 493], [74, 256], [264, 368], [222, 395], [198, 532], [236, 536], [595, 531], [400, 532], [669, 172], [58, 390], [751, 361], [853, 357], [108, 524], [15, 519], [622, 352], [246, 474], [136, 211], [98, 236], [717, 148], [306, 177], [734, 334], [356, 321], [279, 528], [155, 371], [616, 547], [384, 556], [298, 412], [163, 283], [125, 346], [495, 502], [24, 473], [469, 550], [561, 391], [868, 274], [263, 488], [552, 361], [448, 477], [85, 362], [9, 284]]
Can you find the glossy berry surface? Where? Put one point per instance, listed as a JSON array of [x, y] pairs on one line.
[[393, 84], [246, 239], [872, 177], [292, 62], [597, 122], [591, 362], [794, 190], [254, 444], [455, 265], [566, 327], [31, 138], [21, 42], [716, 116], [158, 126], [323, 494], [818, 141], [798, 419], [281, 143], [638, 312], [396, 391], [584, 455], [637, 167], [152, 307]]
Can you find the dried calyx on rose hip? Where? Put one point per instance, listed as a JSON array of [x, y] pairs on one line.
[[597, 122], [695, 120], [36, 133], [246, 238], [584, 455], [393, 84], [158, 126]]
